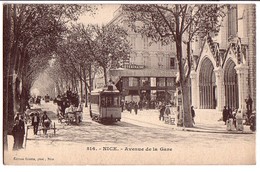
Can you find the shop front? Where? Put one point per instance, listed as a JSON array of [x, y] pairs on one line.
[[145, 85]]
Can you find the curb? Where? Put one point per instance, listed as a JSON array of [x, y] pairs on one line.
[[218, 132]]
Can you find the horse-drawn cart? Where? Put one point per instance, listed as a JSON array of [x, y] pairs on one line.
[[69, 109]]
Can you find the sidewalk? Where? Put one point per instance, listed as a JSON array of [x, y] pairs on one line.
[[206, 120]]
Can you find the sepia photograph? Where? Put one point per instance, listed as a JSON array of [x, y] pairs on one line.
[[129, 83]]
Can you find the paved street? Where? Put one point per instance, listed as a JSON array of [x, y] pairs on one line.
[[140, 131]]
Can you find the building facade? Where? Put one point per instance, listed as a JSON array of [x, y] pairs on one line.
[[150, 71], [224, 65], [224, 72]]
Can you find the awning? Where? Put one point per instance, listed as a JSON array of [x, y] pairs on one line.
[[143, 73]]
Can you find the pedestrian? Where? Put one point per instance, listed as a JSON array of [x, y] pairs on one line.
[[225, 114], [35, 122], [229, 112], [130, 106], [21, 131], [136, 108], [234, 114], [167, 111], [15, 133], [46, 122], [193, 114], [249, 102], [126, 105], [161, 117], [122, 106], [140, 105]]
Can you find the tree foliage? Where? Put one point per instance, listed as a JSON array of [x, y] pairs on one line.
[[31, 33], [178, 23], [91, 47]]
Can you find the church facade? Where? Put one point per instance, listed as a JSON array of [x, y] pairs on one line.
[[224, 66]]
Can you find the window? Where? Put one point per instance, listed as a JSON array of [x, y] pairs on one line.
[[103, 101], [172, 63], [110, 101], [95, 99], [160, 62], [132, 59], [144, 81], [232, 21], [170, 81], [153, 82], [160, 82], [133, 82], [116, 101], [146, 60], [133, 42]]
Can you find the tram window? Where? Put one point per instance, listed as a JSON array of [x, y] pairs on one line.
[[94, 99], [103, 101], [109, 101], [116, 101]]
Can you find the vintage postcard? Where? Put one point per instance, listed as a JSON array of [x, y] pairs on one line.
[[129, 84]]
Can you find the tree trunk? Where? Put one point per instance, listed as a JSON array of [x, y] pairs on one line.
[[184, 85], [24, 99], [6, 68], [186, 105], [105, 74], [90, 85], [81, 84], [86, 88]]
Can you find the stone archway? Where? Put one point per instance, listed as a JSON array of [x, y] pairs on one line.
[[231, 85], [207, 85]]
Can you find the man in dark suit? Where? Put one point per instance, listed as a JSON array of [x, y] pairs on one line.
[[15, 133], [21, 131], [35, 122], [225, 114]]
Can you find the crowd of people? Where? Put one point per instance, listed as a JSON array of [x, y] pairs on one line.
[[232, 114], [132, 105], [142, 105]]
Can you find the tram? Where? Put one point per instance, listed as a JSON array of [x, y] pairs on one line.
[[105, 105]]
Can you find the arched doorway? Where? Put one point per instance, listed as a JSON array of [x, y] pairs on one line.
[[231, 85], [207, 85]]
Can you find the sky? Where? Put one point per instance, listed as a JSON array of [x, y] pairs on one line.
[[103, 15]]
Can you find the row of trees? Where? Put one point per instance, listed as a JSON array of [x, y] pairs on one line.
[[44, 38], [86, 51], [36, 34], [30, 37]]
